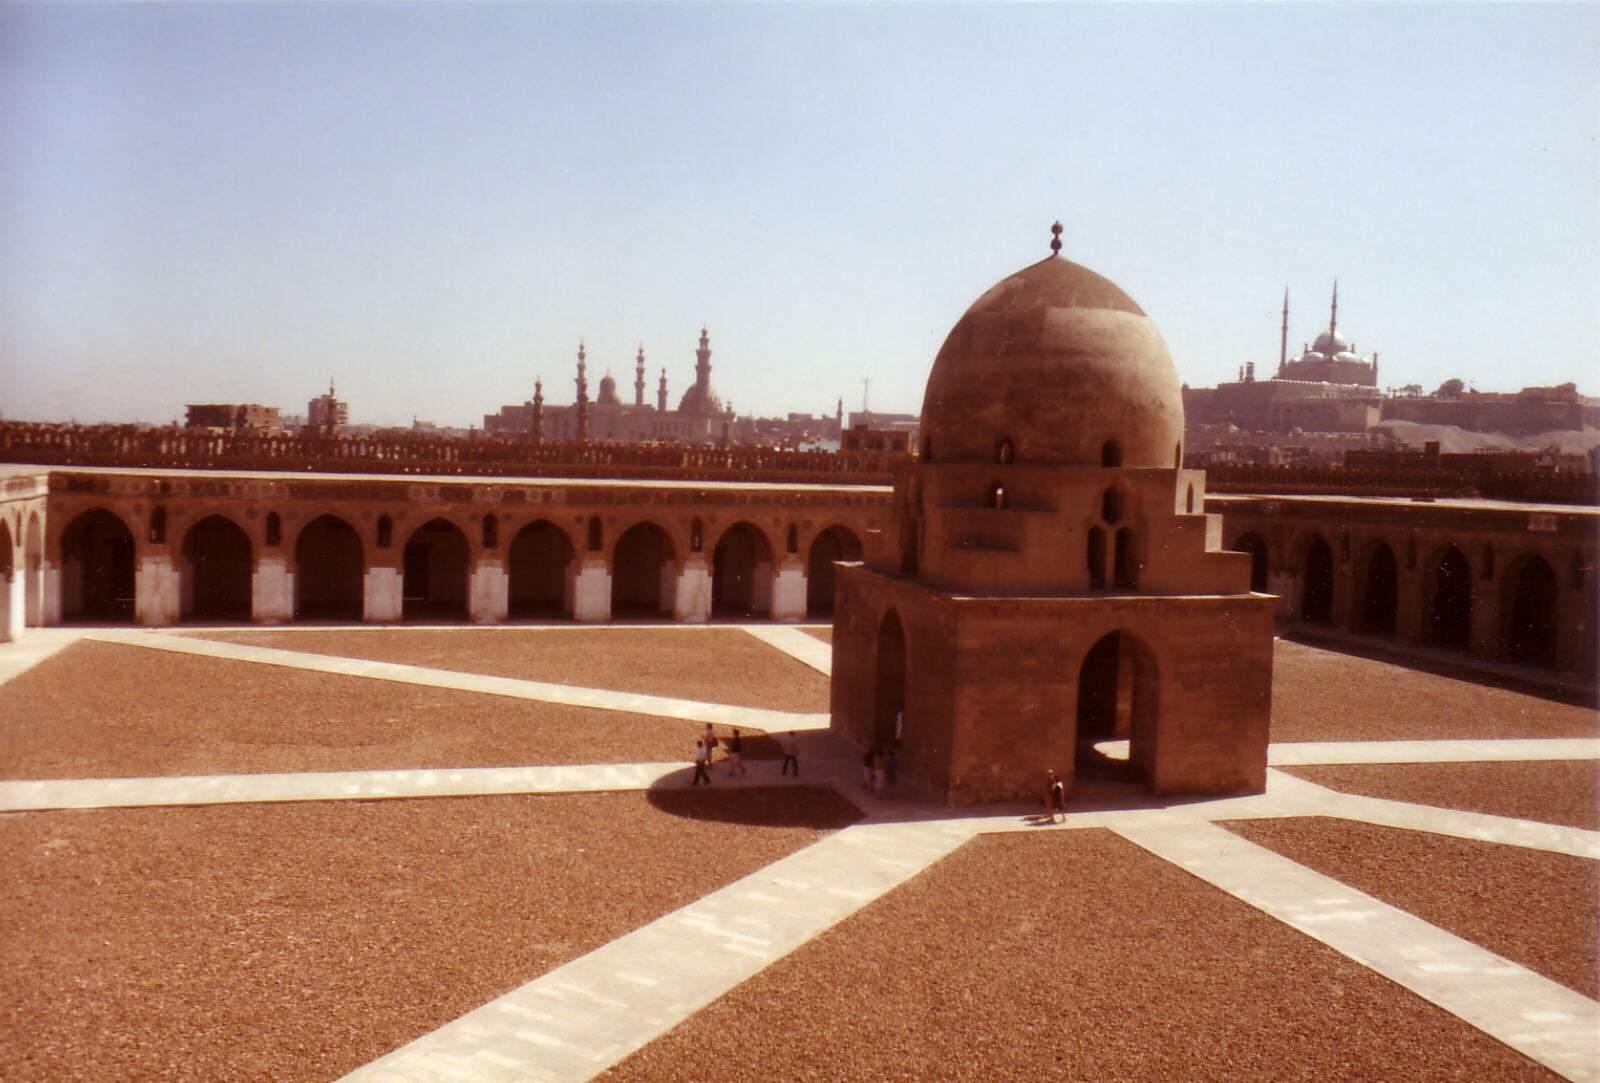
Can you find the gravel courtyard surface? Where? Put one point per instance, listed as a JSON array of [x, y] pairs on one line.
[[1320, 695], [1562, 792], [1538, 909], [713, 665], [104, 710], [297, 942], [1068, 955]]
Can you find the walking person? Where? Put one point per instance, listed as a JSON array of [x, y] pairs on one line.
[[1055, 796], [700, 759], [710, 740], [735, 753], [791, 754]]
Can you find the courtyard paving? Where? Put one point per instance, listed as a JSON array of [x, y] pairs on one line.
[[245, 854]]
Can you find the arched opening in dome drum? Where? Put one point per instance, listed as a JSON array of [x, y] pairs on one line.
[[1111, 506], [1316, 583], [1251, 543], [741, 573], [97, 568], [1450, 616], [1188, 501], [1380, 591], [835, 543], [997, 497], [328, 571], [642, 565], [1125, 561], [1117, 700], [434, 583], [215, 583], [889, 690], [1531, 628], [1111, 454], [1096, 553], [1177, 456], [537, 567], [1005, 452]]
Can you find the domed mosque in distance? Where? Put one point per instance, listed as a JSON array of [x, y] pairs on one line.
[[1049, 584]]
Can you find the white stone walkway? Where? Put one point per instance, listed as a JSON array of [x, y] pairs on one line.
[[1534, 1015], [580, 1019], [574, 1022]]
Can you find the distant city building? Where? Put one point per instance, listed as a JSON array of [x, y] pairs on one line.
[[701, 417], [326, 415], [242, 417]]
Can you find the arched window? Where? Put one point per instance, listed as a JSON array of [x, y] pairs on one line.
[[1111, 454], [274, 529], [158, 526], [491, 531], [1097, 558], [1111, 506], [595, 540], [1125, 571], [385, 532], [1005, 452]]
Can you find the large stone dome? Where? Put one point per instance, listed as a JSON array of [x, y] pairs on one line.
[[1061, 363]]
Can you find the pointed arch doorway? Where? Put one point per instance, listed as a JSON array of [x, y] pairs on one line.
[[1117, 701]]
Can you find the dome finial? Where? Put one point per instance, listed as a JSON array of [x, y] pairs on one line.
[[1055, 239]]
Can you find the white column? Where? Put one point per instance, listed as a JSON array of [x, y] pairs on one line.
[[591, 592], [489, 591], [13, 602], [382, 595], [1283, 585], [789, 592], [271, 591], [50, 595], [155, 590], [692, 601]]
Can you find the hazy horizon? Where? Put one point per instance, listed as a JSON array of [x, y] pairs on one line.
[[433, 203]]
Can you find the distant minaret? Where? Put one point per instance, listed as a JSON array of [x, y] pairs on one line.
[[661, 393], [702, 367], [638, 379], [1333, 317], [1283, 345], [536, 420], [1374, 368], [583, 399]]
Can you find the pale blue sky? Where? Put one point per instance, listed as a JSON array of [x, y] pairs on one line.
[[433, 203]]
